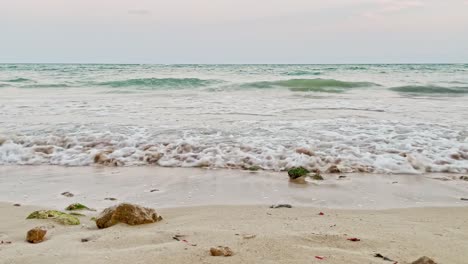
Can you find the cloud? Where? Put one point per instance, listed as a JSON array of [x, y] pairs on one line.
[[387, 7], [139, 12]]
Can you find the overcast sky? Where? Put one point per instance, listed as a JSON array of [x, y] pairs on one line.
[[234, 31]]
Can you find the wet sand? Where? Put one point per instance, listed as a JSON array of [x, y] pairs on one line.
[[174, 187]]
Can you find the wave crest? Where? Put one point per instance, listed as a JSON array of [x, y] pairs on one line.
[[311, 85], [160, 83], [430, 89]]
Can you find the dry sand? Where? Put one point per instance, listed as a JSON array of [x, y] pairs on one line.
[[294, 235]]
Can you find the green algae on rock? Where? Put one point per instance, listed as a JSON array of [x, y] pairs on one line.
[[317, 177], [77, 206], [252, 168], [59, 217], [295, 173]]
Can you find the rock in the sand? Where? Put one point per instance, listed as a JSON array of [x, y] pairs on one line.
[[424, 260], [464, 178], [130, 214], [298, 172], [57, 216], [221, 251], [67, 194], [110, 199], [36, 235], [253, 168], [17, 205], [333, 169], [317, 177], [77, 206], [77, 214], [275, 206]]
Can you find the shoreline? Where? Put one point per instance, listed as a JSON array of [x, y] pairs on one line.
[[187, 187]]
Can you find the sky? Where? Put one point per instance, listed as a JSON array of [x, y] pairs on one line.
[[233, 31]]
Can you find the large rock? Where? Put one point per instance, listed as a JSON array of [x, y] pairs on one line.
[[130, 214], [424, 260], [57, 216], [36, 235]]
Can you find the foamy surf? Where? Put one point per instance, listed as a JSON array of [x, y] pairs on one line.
[[251, 117]]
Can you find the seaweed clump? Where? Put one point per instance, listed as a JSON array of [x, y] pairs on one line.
[[298, 172]]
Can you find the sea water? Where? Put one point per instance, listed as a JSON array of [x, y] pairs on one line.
[[357, 118]]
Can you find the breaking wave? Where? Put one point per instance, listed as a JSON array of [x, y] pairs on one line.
[[51, 85], [311, 85], [167, 83]]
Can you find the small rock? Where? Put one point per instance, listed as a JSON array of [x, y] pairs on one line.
[[304, 151], [221, 251], [341, 177], [464, 199], [130, 214], [77, 206], [253, 168], [17, 205], [249, 236], [36, 235], [110, 199], [281, 206], [317, 177], [77, 214], [378, 255], [84, 240], [424, 260], [67, 194], [333, 169], [442, 179], [464, 178], [154, 190]]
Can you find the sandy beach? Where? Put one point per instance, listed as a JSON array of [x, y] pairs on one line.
[[256, 234], [402, 217]]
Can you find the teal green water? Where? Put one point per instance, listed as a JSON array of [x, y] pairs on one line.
[[436, 79]]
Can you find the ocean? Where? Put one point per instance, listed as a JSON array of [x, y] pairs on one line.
[[409, 119]]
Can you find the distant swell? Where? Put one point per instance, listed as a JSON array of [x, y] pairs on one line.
[[51, 85], [17, 80], [430, 89], [160, 83], [311, 85], [302, 73]]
